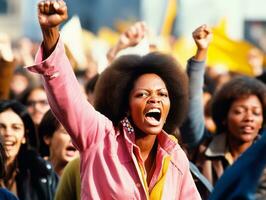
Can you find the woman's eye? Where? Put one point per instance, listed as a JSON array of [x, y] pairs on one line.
[[142, 94], [17, 127], [64, 132], [163, 94], [257, 112], [238, 111]]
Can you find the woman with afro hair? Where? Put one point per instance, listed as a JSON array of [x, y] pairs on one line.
[[124, 148]]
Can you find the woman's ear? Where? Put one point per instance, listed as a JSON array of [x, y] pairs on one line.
[[47, 140], [23, 141]]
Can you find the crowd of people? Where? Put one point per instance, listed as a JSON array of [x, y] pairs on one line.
[[144, 128]]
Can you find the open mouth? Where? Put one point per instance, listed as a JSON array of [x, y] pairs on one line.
[[71, 151], [71, 148], [153, 115], [9, 144], [247, 128]]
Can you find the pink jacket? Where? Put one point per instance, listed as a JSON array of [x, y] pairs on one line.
[[109, 169]]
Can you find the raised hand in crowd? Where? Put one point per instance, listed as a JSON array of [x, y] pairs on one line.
[[129, 38], [6, 53], [202, 37], [51, 14], [193, 129], [7, 65]]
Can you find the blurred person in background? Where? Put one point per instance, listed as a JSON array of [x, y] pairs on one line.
[[29, 176], [36, 102], [238, 109], [69, 186], [5, 194], [7, 65], [55, 143], [255, 59], [20, 83]]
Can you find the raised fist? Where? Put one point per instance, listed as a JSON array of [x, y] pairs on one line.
[[51, 13], [133, 35], [202, 37]]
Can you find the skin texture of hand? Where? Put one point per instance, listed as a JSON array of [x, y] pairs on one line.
[[5, 48], [202, 37], [129, 38], [51, 14], [133, 35]]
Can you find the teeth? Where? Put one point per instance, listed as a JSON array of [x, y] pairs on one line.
[[154, 110], [7, 143]]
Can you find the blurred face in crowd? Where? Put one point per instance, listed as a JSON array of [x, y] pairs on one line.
[[37, 104], [245, 118], [13, 131], [149, 103], [61, 148], [19, 83]]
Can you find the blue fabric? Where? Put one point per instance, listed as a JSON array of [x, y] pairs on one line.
[[6, 195], [240, 181]]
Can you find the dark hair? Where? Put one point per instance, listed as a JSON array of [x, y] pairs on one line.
[[90, 85], [30, 129], [238, 87], [32, 141], [2, 159], [115, 83], [47, 127]]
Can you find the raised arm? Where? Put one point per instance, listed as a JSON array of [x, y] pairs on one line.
[[193, 129], [7, 65], [129, 38], [51, 14], [67, 101]]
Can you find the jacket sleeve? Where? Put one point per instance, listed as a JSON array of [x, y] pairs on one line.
[[192, 130], [85, 126]]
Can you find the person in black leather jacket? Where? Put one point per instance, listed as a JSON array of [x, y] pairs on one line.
[[4, 193], [29, 176]]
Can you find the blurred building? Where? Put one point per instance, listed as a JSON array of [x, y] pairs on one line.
[[19, 17], [97, 13], [10, 15]]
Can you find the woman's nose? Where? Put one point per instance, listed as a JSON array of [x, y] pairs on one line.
[[6, 132], [249, 116], [154, 99]]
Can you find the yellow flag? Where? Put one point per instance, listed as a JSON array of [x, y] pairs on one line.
[[170, 15], [223, 52], [229, 53]]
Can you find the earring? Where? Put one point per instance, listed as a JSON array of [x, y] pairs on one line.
[[23, 141]]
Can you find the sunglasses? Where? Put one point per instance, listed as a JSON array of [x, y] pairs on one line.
[[32, 103]]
